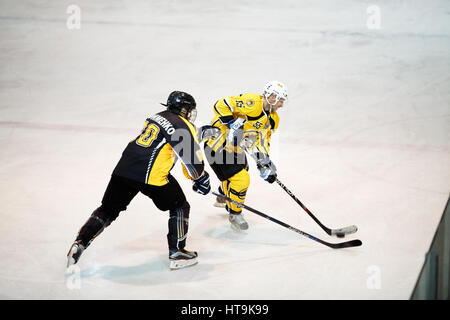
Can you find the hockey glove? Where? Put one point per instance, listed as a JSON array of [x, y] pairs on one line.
[[201, 185], [267, 169], [234, 135], [206, 132]]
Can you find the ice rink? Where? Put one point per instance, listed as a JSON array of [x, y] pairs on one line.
[[364, 139]]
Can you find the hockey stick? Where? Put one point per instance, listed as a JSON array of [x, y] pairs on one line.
[[332, 232], [347, 244]]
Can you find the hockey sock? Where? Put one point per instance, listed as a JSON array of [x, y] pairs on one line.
[[178, 227]]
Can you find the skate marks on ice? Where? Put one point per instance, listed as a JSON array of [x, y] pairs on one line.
[[262, 242], [36, 274], [138, 262], [152, 271], [404, 158], [258, 234], [404, 145]]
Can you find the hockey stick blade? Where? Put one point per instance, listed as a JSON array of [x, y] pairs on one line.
[[347, 244], [340, 233]]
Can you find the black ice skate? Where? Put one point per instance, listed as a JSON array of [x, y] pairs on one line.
[[182, 258], [74, 253]]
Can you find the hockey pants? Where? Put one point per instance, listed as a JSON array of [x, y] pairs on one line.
[[235, 188], [118, 195]]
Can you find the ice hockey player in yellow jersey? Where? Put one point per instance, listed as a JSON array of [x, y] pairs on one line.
[[246, 122]]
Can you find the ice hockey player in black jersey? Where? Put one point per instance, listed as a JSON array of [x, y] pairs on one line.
[[145, 167]]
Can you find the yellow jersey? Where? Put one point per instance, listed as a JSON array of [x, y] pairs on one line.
[[259, 124]]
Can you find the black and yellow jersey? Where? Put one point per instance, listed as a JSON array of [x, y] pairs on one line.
[[258, 122], [152, 154]]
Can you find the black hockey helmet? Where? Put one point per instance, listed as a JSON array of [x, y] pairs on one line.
[[178, 100]]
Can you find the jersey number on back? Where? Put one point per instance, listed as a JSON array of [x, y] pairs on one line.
[[146, 138]]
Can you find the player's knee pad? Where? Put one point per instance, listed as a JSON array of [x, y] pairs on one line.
[[236, 188], [95, 225], [181, 213], [238, 196], [178, 227], [105, 215]]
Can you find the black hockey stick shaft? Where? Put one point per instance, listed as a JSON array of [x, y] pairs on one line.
[[347, 244], [342, 231]]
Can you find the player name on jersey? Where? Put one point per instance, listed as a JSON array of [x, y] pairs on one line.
[[164, 123]]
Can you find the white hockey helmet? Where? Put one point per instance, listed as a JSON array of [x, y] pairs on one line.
[[276, 88]]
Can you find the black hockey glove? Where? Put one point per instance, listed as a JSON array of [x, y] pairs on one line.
[[267, 169], [201, 185]]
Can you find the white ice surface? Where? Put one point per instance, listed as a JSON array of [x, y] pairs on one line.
[[364, 139]]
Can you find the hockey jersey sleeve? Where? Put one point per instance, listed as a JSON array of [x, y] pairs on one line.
[[185, 172], [263, 143], [223, 108]]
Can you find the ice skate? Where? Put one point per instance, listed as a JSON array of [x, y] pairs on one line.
[[238, 222], [220, 202], [182, 259], [74, 253]]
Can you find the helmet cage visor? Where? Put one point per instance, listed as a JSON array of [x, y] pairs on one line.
[[192, 115], [278, 96], [277, 90]]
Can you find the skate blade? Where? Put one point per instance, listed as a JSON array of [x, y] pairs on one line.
[[70, 260], [179, 264], [238, 228]]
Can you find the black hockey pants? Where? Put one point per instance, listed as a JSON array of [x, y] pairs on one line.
[[117, 197]]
